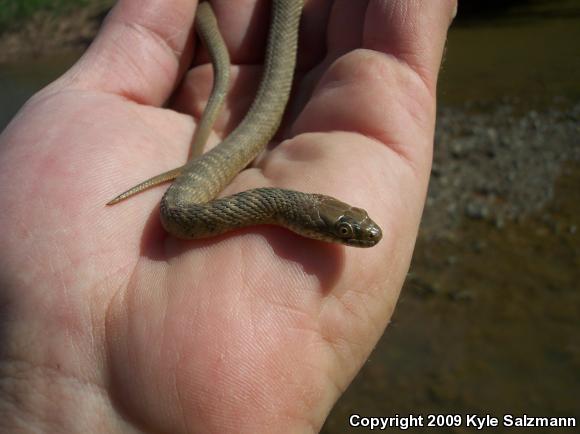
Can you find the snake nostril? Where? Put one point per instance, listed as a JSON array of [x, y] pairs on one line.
[[374, 232]]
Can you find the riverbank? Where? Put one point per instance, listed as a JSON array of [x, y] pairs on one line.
[[50, 31], [497, 162]]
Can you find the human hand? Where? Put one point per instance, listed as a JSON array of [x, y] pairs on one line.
[[109, 323]]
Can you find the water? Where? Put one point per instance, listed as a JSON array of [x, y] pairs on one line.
[[18, 81], [530, 59]]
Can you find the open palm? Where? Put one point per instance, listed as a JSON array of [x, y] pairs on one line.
[[249, 332]]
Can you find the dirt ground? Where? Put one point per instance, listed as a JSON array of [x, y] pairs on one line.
[[44, 34]]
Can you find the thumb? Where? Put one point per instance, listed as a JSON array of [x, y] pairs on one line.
[[141, 52]]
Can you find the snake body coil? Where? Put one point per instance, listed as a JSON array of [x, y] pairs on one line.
[[189, 209]]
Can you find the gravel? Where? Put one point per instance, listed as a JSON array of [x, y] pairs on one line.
[[497, 164]]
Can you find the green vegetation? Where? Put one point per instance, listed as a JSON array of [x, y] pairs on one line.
[[14, 12]]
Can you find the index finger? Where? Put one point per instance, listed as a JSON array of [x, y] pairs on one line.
[[141, 52], [384, 86], [412, 31]]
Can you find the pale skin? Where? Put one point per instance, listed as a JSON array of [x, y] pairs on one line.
[[111, 325]]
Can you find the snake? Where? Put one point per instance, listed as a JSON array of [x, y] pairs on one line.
[[190, 208]]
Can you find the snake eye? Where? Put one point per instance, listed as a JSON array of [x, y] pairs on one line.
[[344, 230]]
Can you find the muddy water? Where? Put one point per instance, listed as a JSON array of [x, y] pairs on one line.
[[18, 81], [526, 52], [488, 321]]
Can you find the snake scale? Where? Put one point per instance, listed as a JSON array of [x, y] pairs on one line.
[[189, 208]]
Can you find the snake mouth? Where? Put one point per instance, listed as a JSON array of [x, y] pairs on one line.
[[361, 243], [367, 237]]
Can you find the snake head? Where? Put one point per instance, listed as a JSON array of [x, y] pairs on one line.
[[348, 225]]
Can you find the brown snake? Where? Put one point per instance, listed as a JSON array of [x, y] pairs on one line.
[[189, 209]]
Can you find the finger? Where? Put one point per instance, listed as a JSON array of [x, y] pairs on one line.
[[411, 30], [244, 26], [141, 52], [369, 93], [346, 26], [313, 29]]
